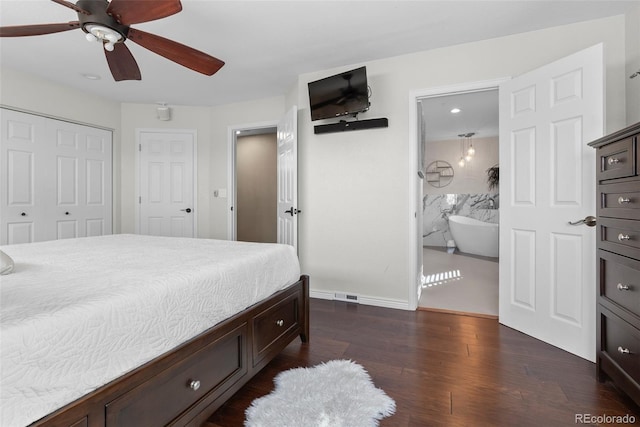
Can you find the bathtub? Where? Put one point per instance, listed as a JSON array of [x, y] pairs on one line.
[[473, 236]]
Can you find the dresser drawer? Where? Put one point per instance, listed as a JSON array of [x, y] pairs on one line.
[[165, 396], [620, 236], [620, 280], [617, 160], [619, 200], [621, 342], [274, 323]]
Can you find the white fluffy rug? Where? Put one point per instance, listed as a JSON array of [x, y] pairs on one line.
[[338, 393]]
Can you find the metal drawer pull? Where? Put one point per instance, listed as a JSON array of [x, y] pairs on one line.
[[280, 322], [623, 350], [613, 160], [622, 287], [623, 237], [623, 200], [194, 385]]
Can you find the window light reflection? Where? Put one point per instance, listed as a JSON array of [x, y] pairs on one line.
[[441, 278]]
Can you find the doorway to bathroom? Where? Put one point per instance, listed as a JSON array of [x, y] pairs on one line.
[[458, 140]]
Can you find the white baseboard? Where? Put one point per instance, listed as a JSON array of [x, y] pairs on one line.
[[377, 302]]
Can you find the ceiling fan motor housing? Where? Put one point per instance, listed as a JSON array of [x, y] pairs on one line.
[[98, 16]]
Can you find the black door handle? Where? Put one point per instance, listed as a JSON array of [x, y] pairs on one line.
[[188, 210], [292, 211]]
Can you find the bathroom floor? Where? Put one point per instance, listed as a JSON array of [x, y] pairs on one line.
[[459, 283]]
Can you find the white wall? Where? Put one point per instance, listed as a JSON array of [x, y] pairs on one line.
[[632, 27], [211, 124], [143, 116], [355, 186], [221, 118]]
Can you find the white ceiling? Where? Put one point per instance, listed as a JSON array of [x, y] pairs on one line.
[[267, 44], [478, 114]]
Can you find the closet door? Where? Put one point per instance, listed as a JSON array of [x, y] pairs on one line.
[[56, 179], [82, 178], [25, 208]]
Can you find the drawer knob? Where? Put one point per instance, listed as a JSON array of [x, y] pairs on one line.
[[622, 350], [623, 237], [280, 322], [622, 287], [194, 385], [613, 160], [623, 200]]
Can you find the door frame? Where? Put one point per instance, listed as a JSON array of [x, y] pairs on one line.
[[415, 208], [194, 135], [232, 133]]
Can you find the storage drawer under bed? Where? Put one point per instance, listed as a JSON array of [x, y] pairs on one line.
[[274, 323], [165, 396]]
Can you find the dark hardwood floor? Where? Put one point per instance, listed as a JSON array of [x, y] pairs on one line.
[[445, 370]]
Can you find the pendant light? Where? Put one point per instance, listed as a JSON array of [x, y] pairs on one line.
[[462, 161]]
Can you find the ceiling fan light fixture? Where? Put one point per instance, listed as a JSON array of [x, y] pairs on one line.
[[108, 35]]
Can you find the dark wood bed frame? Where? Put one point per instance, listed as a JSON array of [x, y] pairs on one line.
[[185, 386]]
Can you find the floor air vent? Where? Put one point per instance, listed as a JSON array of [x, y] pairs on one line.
[[346, 297]]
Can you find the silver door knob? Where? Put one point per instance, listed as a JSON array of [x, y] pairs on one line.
[[623, 237], [194, 385], [622, 287], [589, 221], [613, 160], [280, 322]]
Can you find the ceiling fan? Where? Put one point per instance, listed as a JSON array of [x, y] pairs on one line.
[[109, 22]]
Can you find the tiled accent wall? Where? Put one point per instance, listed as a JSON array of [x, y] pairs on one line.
[[437, 207]]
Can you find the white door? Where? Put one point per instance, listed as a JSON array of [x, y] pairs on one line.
[[56, 179], [547, 268], [82, 182], [24, 213], [287, 141], [167, 182]]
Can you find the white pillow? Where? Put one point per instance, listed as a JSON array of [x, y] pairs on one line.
[[6, 263]]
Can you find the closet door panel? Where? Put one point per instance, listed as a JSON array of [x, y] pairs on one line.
[[23, 161], [83, 179], [57, 182]]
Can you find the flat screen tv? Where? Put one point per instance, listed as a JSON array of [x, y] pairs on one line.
[[340, 95]]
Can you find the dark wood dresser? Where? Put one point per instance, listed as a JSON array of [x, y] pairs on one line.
[[618, 259]]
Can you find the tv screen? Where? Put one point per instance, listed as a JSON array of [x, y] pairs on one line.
[[340, 95]]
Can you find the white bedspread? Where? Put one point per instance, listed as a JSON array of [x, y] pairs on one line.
[[78, 313]]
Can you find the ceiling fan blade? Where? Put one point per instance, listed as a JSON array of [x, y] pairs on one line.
[[176, 52], [122, 64], [128, 12], [37, 30], [72, 6]]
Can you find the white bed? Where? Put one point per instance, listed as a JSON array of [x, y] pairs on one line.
[[76, 314]]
